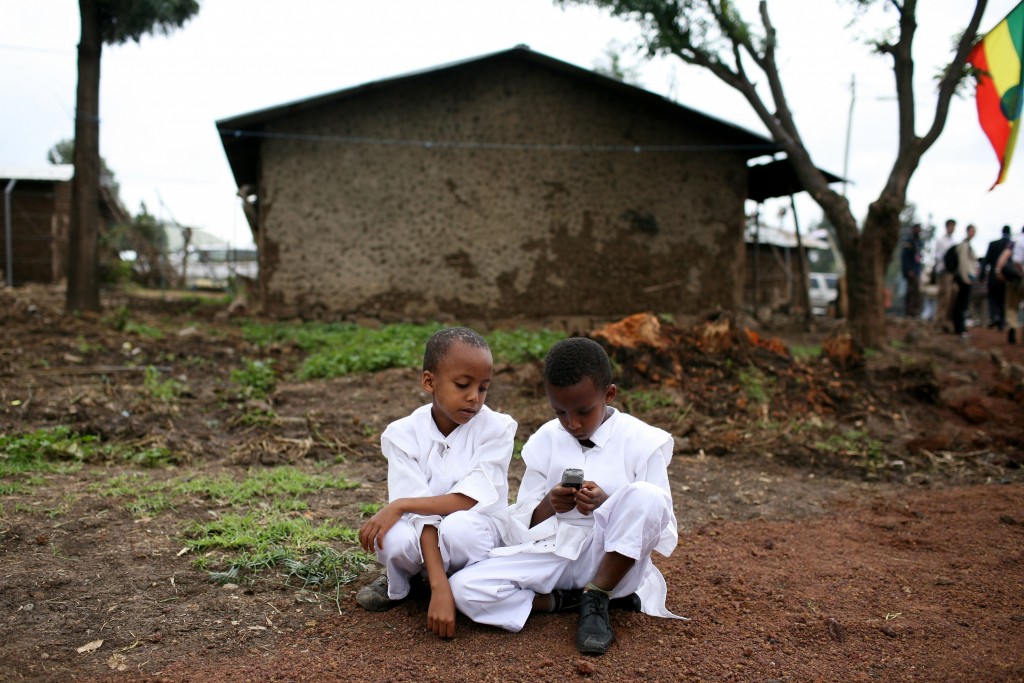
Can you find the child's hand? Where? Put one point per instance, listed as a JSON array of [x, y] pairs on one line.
[[441, 613], [377, 526], [590, 497], [562, 498]]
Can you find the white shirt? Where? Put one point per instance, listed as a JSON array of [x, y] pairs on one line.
[[626, 450], [1017, 255], [967, 261], [941, 245], [472, 460]]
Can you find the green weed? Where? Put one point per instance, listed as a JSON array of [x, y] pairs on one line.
[[255, 380], [756, 385], [369, 509], [802, 352], [143, 330], [640, 401], [254, 417], [167, 390], [865, 451], [521, 345], [45, 450]]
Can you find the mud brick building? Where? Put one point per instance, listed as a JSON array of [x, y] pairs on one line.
[[504, 186]]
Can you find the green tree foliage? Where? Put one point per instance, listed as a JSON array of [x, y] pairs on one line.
[[714, 35], [112, 22]]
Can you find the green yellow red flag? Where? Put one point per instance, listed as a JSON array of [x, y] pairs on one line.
[[999, 57]]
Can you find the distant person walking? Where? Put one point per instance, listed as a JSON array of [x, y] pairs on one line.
[[910, 266], [944, 300], [996, 286], [964, 275], [1010, 268]]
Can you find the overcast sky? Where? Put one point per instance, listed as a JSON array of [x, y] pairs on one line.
[[160, 99]]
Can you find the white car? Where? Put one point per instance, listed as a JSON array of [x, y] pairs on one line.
[[824, 290]]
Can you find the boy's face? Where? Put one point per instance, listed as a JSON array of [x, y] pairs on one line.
[[580, 408], [459, 386]]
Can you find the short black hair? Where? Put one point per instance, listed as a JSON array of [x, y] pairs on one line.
[[1006, 229], [570, 360], [440, 343]]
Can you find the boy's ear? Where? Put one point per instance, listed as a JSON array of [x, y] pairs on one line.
[[610, 393], [427, 381]]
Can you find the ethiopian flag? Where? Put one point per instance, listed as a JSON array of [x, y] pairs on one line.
[[998, 58]]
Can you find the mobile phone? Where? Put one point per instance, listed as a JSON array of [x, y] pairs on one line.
[[572, 477]]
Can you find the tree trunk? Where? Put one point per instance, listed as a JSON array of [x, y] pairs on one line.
[[83, 292], [866, 267]]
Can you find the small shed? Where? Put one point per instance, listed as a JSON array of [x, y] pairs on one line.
[[508, 185], [37, 220]]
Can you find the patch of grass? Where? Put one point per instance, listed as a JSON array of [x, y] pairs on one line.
[[642, 401], [165, 390], [262, 527], [341, 349], [84, 347], [864, 450], [756, 385], [328, 568], [521, 345], [148, 456], [252, 542], [281, 487], [369, 509], [254, 417], [143, 330], [255, 379], [44, 450], [804, 352]]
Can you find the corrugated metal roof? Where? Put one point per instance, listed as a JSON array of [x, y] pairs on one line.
[[53, 173]]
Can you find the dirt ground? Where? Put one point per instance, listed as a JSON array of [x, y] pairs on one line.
[[860, 523]]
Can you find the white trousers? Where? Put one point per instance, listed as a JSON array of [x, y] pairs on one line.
[[499, 590], [465, 537]]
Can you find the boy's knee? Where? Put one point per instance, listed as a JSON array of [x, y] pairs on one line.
[[648, 494], [398, 541], [457, 524]]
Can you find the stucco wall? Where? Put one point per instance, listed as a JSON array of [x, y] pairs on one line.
[[474, 230]]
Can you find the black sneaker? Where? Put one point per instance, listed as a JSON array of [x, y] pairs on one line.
[[373, 597], [594, 634]]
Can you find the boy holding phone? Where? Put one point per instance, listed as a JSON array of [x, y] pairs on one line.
[[593, 505]]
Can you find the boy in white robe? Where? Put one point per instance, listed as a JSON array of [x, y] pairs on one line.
[[598, 538], [447, 474]]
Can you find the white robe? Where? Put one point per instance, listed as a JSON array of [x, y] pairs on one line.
[[629, 461], [472, 460]]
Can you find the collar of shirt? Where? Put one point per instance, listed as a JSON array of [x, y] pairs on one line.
[[604, 432], [439, 439]]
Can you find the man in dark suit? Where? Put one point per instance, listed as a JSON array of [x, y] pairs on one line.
[[996, 286]]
